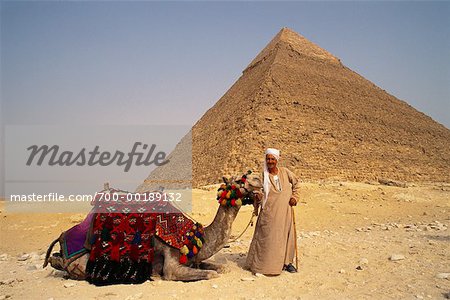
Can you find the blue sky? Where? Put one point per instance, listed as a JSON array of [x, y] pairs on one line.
[[135, 63], [164, 63]]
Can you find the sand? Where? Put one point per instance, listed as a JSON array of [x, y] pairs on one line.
[[347, 233]]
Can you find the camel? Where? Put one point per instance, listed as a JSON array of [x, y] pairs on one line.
[[166, 259]]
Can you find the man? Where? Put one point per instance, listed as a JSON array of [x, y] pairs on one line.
[[273, 246]]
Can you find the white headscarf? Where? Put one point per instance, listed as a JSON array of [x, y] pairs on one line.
[[276, 154]]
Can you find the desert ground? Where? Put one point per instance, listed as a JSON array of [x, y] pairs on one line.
[[355, 241]]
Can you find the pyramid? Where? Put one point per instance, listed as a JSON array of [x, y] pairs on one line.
[[328, 121]]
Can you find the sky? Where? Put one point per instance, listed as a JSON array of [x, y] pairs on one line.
[[143, 63]]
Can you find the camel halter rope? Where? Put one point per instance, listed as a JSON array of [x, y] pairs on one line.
[[246, 227]]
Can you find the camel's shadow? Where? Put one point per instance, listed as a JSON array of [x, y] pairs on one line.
[[238, 259]]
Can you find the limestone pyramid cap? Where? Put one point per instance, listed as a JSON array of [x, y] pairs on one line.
[[297, 43]]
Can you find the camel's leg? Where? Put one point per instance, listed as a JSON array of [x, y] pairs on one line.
[[173, 270], [219, 268], [77, 268], [157, 265]]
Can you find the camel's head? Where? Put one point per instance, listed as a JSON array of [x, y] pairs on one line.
[[237, 191]]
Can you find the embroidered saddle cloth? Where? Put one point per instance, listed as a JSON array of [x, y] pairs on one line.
[[121, 238]]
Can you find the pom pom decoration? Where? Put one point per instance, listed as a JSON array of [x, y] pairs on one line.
[[224, 194], [192, 244], [183, 259], [231, 194], [184, 250]]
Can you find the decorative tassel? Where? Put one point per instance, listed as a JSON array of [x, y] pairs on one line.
[[183, 259], [106, 236], [224, 194], [134, 252], [184, 250], [115, 250]]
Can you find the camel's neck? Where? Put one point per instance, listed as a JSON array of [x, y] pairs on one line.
[[218, 232]]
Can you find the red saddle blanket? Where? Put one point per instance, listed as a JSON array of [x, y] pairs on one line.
[[122, 241], [119, 235]]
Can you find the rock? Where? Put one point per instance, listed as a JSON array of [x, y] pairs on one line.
[[342, 271], [396, 257], [443, 275], [7, 281], [2, 297], [363, 261], [359, 268], [69, 284], [4, 257], [23, 257], [31, 268], [419, 296], [57, 273], [389, 182], [214, 286], [247, 279], [35, 257]]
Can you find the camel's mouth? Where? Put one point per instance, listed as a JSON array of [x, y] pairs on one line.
[[248, 199]]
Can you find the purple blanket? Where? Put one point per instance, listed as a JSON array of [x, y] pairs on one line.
[[74, 239]]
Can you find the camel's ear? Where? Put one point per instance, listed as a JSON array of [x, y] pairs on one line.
[[225, 180], [254, 181]]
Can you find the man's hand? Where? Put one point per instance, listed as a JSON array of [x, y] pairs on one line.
[[292, 202], [258, 197]]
